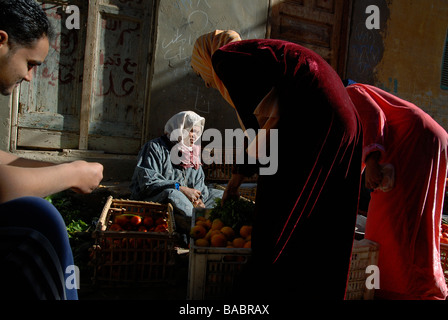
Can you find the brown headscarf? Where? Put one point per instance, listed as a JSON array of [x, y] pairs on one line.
[[201, 59]]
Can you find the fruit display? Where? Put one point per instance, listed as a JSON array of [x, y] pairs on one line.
[[229, 226], [155, 222], [444, 232]]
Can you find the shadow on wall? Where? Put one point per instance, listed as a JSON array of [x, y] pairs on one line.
[[366, 46]]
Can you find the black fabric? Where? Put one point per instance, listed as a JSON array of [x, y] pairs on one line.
[[30, 267]]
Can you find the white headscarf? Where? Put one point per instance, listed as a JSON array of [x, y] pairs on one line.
[[178, 129]]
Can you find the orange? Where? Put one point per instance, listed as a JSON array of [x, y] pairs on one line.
[[211, 233], [248, 244], [208, 223], [198, 232], [238, 242], [202, 223], [201, 243], [218, 240], [245, 231], [217, 224], [228, 232]]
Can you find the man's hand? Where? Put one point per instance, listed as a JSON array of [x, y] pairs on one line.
[[89, 176]]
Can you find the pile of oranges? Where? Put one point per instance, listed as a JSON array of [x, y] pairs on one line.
[[444, 233], [207, 233]]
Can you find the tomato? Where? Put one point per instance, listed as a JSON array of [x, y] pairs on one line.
[[142, 229], [148, 221], [136, 220], [160, 228], [115, 227], [121, 220]]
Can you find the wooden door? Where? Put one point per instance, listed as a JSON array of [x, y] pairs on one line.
[[91, 92], [320, 25], [48, 112]]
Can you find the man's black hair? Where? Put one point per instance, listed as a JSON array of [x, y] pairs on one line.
[[24, 21]]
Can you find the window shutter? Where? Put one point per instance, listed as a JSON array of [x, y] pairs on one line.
[[444, 83]]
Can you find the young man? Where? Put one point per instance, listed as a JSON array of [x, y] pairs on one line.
[[24, 43]]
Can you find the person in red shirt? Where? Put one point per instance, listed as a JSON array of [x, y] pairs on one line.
[[405, 210]]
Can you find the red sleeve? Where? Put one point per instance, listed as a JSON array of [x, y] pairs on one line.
[[372, 118]]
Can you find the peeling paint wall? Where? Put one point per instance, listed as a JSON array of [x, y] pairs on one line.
[[405, 55], [412, 62], [175, 87]]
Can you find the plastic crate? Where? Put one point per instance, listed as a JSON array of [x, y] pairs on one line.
[[122, 258], [213, 271], [364, 254], [444, 259]]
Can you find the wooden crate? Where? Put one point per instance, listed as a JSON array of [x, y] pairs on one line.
[[122, 258], [444, 259]]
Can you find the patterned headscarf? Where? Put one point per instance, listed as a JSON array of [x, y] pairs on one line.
[[201, 59]]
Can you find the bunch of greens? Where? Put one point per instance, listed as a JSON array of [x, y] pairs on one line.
[[72, 216], [234, 212]]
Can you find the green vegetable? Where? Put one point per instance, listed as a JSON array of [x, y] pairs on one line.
[[233, 213], [76, 226]]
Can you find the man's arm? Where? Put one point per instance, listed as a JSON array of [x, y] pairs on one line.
[[24, 177]]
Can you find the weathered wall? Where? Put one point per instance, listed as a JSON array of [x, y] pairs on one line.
[[412, 62], [175, 87], [404, 56], [5, 122]]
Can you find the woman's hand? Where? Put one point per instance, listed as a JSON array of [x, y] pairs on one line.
[[232, 189], [373, 173], [198, 204], [192, 194]]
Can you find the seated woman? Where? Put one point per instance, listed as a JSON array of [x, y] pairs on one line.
[[169, 169]]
